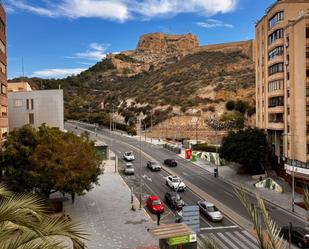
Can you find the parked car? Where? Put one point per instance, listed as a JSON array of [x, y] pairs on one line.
[[128, 156], [210, 211], [154, 204], [175, 183], [129, 169], [153, 166], [299, 236], [170, 162], [174, 200]]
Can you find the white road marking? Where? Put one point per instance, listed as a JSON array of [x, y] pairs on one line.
[[244, 238], [228, 193], [222, 227], [235, 239], [227, 241], [217, 241]]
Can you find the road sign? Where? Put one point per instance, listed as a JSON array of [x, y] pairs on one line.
[[191, 217]]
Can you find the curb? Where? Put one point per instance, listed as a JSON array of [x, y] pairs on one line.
[[296, 215]]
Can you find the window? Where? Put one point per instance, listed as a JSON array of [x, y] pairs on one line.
[[275, 101], [288, 110], [4, 132], [307, 148], [3, 89], [307, 91], [4, 111], [276, 68], [30, 104], [18, 103], [275, 19], [27, 104], [31, 118], [275, 52], [307, 110], [288, 128], [3, 68], [307, 72], [277, 34], [307, 32], [307, 129], [275, 85], [2, 47]]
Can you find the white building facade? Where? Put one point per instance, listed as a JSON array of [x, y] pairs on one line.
[[36, 108]]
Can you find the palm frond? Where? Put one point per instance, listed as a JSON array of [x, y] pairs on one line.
[[306, 201], [252, 212], [4, 193], [274, 239]]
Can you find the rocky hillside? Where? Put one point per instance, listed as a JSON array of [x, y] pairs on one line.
[[166, 75]]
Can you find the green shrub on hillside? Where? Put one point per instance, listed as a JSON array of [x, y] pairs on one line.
[[204, 147]]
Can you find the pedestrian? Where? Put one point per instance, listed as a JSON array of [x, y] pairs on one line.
[[158, 218]]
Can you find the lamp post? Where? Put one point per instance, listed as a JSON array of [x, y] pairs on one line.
[[292, 174]]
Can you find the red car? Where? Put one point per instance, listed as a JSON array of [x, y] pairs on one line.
[[154, 204]]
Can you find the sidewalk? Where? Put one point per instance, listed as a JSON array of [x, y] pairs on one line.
[[230, 175], [281, 200], [106, 213]]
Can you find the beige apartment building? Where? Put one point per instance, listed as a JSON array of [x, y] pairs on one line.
[[282, 84]]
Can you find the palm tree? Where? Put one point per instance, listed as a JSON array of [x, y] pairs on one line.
[[24, 224], [267, 231]]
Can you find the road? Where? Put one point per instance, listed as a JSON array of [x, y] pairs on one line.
[[227, 234]]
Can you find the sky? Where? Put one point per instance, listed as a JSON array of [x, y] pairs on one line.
[[57, 38]]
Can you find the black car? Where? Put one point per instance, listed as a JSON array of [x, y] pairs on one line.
[[174, 200], [299, 236], [170, 162]]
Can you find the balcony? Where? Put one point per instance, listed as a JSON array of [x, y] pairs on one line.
[[299, 169], [276, 93], [276, 43], [276, 109], [275, 60], [278, 126], [276, 76]]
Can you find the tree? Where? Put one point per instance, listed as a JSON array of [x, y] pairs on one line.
[[235, 116], [241, 106], [230, 105], [48, 161], [248, 147], [25, 225]]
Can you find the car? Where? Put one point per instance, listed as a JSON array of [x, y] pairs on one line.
[[175, 183], [170, 162], [299, 236], [154, 166], [174, 200], [128, 156], [210, 211], [129, 169], [154, 204]]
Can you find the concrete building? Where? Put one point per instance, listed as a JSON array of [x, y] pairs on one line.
[[36, 108], [3, 77], [282, 84], [18, 87]]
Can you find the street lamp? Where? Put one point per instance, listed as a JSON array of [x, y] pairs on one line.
[[293, 174]]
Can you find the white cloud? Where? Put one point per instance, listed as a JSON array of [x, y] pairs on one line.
[[57, 73], [96, 52], [123, 10], [213, 23]]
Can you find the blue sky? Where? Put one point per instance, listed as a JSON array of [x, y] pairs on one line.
[[56, 38]]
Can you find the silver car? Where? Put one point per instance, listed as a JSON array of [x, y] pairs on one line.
[[210, 211], [129, 169]]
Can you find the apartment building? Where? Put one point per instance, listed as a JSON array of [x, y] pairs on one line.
[[3, 77], [34, 107], [282, 84]]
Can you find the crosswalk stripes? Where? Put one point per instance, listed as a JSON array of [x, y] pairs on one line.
[[236, 239]]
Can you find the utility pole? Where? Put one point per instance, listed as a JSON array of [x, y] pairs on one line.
[[140, 161]]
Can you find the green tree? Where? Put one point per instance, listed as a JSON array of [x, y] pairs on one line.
[[241, 106], [248, 147], [48, 161], [230, 105], [25, 225], [236, 117]]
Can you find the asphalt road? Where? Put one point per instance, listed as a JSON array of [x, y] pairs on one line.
[[226, 233]]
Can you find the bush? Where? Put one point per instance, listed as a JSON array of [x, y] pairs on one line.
[[241, 106], [230, 105], [235, 116], [205, 147]]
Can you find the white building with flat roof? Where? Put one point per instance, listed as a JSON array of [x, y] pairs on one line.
[[36, 108]]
